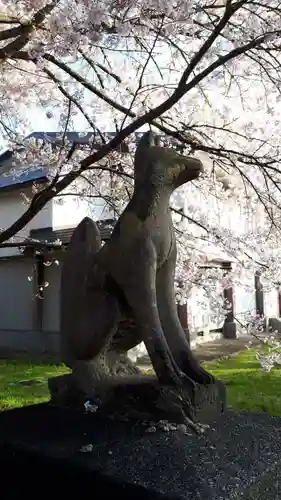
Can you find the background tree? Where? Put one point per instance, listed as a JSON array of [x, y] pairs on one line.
[[206, 73]]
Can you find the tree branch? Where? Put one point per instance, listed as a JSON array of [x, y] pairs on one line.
[[24, 31], [149, 117]]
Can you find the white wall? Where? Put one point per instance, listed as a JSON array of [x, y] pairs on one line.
[[271, 309], [51, 301], [244, 301], [65, 211], [200, 314], [16, 295], [69, 210], [12, 206]]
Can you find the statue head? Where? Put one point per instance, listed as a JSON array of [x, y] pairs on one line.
[[163, 166]]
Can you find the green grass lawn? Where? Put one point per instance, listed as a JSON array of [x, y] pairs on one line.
[[248, 387], [13, 394]]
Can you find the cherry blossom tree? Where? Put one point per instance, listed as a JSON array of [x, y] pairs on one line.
[[206, 73]]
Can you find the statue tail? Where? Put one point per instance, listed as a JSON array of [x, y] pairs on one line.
[[84, 244]]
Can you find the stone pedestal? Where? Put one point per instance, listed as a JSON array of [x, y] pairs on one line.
[[138, 398], [229, 330], [67, 453], [274, 325]]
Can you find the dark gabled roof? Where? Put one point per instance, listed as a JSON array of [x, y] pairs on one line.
[[91, 138], [22, 177], [79, 137], [50, 235], [57, 137], [6, 155], [12, 176]]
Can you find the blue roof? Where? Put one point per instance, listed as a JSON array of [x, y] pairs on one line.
[[56, 137], [25, 176]]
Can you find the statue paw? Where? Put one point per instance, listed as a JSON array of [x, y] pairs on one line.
[[188, 414], [196, 426], [186, 380], [192, 369], [199, 375], [205, 377]]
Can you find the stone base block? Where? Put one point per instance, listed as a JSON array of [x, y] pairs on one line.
[[138, 398]]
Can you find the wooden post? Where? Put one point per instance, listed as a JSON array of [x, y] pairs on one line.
[[229, 326], [279, 303], [259, 295]]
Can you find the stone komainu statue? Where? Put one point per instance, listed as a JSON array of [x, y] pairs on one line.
[[131, 276]]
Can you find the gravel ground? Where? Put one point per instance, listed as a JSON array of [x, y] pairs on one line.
[[239, 457]]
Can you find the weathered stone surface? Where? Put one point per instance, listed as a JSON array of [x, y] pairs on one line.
[[130, 282], [85, 242], [238, 458]]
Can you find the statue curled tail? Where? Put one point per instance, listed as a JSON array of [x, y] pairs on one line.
[[84, 244]]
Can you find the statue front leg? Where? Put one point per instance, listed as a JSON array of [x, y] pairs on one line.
[[135, 274], [137, 279], [171, 325]]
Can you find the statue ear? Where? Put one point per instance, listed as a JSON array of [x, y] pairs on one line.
[[148, 140], [157, 140]]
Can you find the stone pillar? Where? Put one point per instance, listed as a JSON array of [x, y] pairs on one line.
[[183, 317], [229, 326]]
